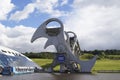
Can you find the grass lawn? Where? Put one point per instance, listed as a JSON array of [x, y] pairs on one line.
[[104, 64], [42, 62]]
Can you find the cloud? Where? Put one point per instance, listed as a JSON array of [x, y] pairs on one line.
[[97, 26], [64, 2], [19, 37], [107, 3], [21, 15], [96, 23], [5, 7], [49, 7]]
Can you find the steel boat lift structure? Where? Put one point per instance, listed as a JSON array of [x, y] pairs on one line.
[[68, 50], [67, 56]]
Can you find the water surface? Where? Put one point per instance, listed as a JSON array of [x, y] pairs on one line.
[[63, 76]]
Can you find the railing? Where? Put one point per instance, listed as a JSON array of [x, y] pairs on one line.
[[107, 71]]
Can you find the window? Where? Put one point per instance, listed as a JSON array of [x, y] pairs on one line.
[[9, 52], [4, 51]]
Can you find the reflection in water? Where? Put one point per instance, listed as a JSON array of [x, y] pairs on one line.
[[63, 76]]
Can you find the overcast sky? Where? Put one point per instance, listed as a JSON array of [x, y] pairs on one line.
[[96, 22]]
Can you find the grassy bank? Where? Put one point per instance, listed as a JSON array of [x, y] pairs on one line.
[[103, 64], [106, 64]]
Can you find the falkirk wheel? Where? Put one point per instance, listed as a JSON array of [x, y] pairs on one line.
[[68, 50]]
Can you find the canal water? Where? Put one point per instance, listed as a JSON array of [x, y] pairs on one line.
[[63, 76]]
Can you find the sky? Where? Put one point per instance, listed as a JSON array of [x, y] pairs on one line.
[[96, 22]]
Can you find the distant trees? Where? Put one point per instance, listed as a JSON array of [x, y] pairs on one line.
[[106, 52], [45, 55], [102, 54]]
